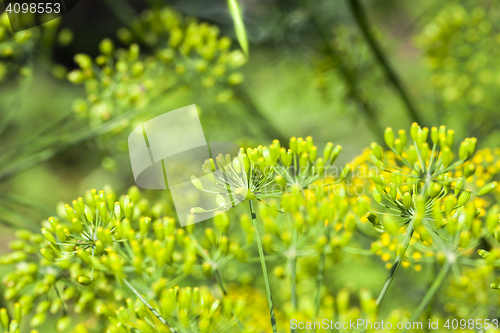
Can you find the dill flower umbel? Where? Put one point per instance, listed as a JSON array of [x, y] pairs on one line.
[[417, 189], [262, 173]]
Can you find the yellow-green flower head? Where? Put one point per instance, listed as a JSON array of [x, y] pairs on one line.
[[36, 276], [266, 172], [417, 193], [83, 252]]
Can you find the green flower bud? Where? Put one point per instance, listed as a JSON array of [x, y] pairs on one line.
[[238, 253], [377, 151], [407, 200], [129, 211], [224, 245], [446, 156], [14, 326], [70, 212], [313, 154], [450, 137], [463, 152], [83, 60], [63, 324], [213, 309], [84, 281], [424, 234], [495, 286], [434, 135], [402, 137], [221, 202], [303, 160], [144, 225], [206, 267], [88, 214], [18, 312], [373, 219], [389, 137], [327, 152], [38, 319], [185, 298], [48, 236], [204, 324], [286, 157], [335, 153], [4, 318], [363, 206], [279, 272], [434, 190], [346, 171], [376, 196], [47, 254], [293, 145], [414, 131], [106, 47], [464, 198], [221, 221], [320, 166], [472, 142], [465, 239], [61, 232], [210, 235], [487, 188], [469, 170]]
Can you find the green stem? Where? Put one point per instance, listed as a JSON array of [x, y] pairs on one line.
[[122, 10], [143, 300], [293, 285], [431, 292], [396, 264], [264, 268], [319, 282], [365, 107], [254, 112], [220, 282], [360, 17]]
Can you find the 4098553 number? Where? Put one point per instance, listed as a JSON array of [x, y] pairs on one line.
[[471, 324], [34, 8]]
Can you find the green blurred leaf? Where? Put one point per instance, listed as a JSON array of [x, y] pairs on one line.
[[239, 26]]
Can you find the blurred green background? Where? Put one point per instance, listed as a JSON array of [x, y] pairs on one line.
[[311, 71]]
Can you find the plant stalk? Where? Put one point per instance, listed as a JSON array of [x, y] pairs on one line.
[[293, 286], [360, 16], [220, 282], [365, 107], [264, 268], [319, 282], [253, 111], [396, 264], [431, 292]]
